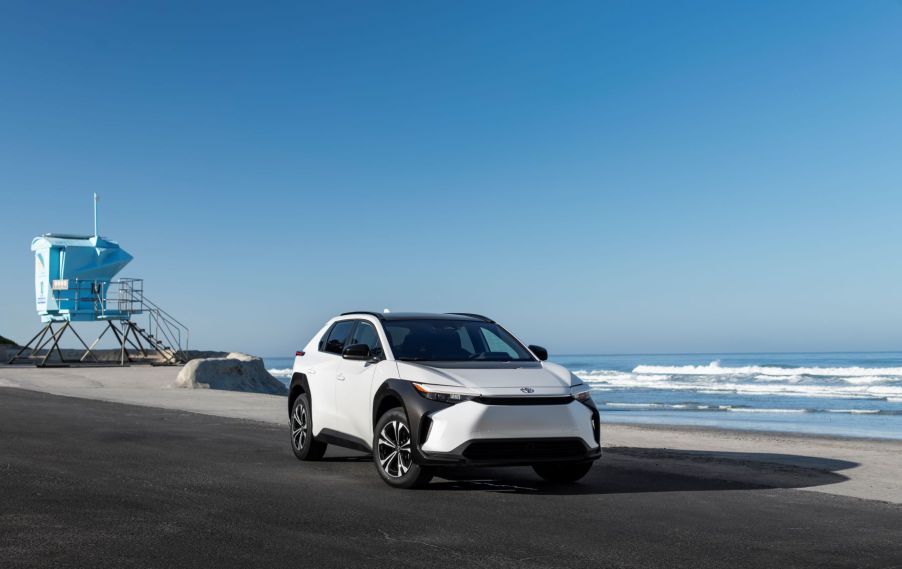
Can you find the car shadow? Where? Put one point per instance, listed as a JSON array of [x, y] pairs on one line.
[[628, 470]]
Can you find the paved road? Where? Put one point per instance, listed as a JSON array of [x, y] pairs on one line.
[[92, 484]]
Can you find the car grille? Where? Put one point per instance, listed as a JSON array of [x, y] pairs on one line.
[[525, 400], [526, 449]]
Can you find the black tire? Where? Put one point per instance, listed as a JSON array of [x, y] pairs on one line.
[[562, 471], [392, 452], [300, 426]]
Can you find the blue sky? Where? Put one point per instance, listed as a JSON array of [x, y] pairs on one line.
[[601, 177]]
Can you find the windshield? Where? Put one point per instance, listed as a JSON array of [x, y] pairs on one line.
[[453, 341]]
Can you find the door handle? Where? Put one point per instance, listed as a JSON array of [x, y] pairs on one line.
[[340, 376]]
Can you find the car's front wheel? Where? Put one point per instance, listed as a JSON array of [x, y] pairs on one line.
[[392, 452], [562, 471], [302, 441]]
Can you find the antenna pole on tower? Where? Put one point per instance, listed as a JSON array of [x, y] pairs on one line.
[[95, 213]]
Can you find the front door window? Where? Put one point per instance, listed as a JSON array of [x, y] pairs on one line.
[[365, 333]]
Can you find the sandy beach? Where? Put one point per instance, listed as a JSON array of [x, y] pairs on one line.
[[858, 468]]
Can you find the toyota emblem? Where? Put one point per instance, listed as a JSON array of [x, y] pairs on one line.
[[527, 390]]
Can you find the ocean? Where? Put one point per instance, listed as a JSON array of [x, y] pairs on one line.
[[845, 394]]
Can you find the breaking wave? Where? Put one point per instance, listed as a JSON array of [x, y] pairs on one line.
[[836, 382], [614, 406], [714, 368], [281, 373]]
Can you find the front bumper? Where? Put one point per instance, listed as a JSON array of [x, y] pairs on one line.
[[473, 433], [513, 452], [497, 430]]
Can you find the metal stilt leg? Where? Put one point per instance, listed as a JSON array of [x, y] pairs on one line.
[[43, 342], [136, 338], [42, 333], [94, 343], [83, 344], [55, 339]]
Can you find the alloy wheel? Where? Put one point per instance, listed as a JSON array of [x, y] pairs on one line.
[[394, 449], [299, 427]]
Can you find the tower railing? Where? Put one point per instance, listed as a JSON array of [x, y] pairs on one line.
[[123, 299], [165, 326]]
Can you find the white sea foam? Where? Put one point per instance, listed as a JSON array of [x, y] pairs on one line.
[[789, 378], [748, 381], [634, 405], [676, 406], [755, 410], [714, 368], [286, 372], [591, 378], [869, 379], [734, 409]]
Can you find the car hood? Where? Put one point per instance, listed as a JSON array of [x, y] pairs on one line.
[[492, 377]]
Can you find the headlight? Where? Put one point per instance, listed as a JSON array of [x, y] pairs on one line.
[[444, 394], [581, 392]]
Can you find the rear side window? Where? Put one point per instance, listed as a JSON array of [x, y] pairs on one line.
[[337, 336]]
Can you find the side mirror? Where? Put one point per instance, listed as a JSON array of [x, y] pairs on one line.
[[356, 352], [539, 352]]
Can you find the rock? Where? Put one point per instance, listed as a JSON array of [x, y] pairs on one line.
[[235, 372], [8, 349], [7, 352]]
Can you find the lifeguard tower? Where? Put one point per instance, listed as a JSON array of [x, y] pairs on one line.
[[74, 280]]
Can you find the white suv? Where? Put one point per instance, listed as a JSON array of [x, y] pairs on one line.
[[420, 391]]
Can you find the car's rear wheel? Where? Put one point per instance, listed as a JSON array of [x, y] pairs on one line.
[[303, 444], [562, 471], [392, 452]]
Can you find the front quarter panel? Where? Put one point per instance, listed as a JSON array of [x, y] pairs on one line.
[[416, 406]]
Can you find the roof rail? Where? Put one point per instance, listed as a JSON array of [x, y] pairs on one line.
[[367, 312], [471, 315]]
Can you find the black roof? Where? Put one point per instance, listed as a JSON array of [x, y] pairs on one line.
[[389, 316]]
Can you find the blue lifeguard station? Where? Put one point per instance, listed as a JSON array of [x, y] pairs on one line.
[[74, 281]]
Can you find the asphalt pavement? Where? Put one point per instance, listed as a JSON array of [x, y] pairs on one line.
[[86, 483]]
